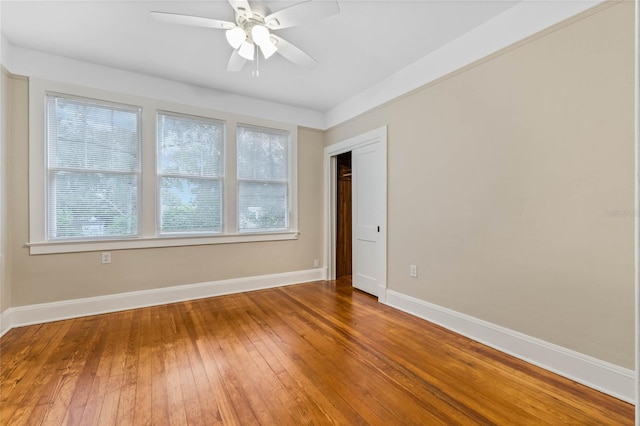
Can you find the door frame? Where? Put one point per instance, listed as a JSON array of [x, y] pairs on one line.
[[378, 135]]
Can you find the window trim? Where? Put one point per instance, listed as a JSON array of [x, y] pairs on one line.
[[148, 210], [156, 242]]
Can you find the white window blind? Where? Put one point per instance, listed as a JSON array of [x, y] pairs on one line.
[[190, 174], [263, 179], [93, 166]]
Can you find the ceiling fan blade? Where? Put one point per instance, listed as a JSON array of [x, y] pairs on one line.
[[236, 62], [301, 13], [241, 7], [293, 53], [195, 21]]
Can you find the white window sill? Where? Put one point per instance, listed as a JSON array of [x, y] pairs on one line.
[[83, 246]]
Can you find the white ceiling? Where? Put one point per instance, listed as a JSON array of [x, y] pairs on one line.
[[365, 43]]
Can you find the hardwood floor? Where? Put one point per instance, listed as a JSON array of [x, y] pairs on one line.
[[318, 353]]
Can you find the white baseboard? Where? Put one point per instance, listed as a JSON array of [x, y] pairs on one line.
[[606, 377], [5, 321], [55, 311]]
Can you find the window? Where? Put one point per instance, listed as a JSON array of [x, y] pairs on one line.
[[190, 174], [123, 171], [263, 179], [93, 166]]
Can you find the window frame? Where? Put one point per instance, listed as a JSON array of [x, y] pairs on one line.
[[287, 182], [160, 175], [148, 236], [137, 172]]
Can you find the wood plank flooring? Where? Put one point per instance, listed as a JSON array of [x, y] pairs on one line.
[[317, 353]]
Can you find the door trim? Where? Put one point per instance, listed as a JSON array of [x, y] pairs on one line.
[[378, 135]]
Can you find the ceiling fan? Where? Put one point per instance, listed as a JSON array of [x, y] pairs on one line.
[[252, 31]]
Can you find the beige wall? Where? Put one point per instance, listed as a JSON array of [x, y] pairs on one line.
[[5, 289], [500, 180], [56, 277], [11, 128]]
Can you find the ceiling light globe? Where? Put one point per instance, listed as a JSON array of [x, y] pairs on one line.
[[247, 50], [260, 34], [268, 49], [236, 36]]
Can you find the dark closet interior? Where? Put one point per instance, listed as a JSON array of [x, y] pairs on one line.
[[343, 216]]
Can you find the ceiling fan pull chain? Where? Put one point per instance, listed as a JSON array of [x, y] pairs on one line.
[[256, 70]]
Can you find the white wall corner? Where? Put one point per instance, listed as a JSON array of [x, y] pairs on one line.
[[55, 311], [611, 379]]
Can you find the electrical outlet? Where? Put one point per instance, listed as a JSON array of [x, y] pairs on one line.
[[413, 270], [316, 263], [106, 257]]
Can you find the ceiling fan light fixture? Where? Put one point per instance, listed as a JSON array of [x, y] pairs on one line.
[[236, 36], [253, 27], [247, 50], [260, 34], [268, 49]]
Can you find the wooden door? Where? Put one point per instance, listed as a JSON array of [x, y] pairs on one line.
[[343, 216]]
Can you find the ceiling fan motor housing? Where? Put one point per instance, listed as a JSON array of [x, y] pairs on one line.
[[259, 10]]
